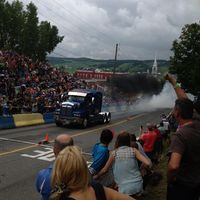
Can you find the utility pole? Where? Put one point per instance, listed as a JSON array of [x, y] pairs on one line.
[[115, 63], [113, 75]]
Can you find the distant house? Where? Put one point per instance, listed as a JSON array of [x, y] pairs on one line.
[[96, 74]]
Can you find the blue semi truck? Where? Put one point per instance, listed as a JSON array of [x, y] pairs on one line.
[[82, 107]]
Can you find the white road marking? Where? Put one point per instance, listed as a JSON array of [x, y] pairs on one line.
[[46, 154], [33, 145], [22, 141]]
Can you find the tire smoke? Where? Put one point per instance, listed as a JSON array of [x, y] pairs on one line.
[[134, 85]]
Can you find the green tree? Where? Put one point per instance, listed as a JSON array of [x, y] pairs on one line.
[[30, 32], [3, 26], [185, 61], [21, 31], [15, 24], [48, 39]]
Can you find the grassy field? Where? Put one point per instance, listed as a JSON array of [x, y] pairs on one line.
[[158, 192], [131, 66]]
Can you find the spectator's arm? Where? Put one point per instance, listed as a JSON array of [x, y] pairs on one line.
[[173, 166], [141, 131], [176, 150], [141, 158], [106, 167], [38, 182], [141, 137], [179, 91]]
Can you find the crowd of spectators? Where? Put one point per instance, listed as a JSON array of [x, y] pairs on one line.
[[31, 86], [28, 86], [128, 167]]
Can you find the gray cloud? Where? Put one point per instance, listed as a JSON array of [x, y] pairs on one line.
[[141, 27]]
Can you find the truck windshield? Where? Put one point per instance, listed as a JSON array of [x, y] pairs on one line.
[[76, 98]]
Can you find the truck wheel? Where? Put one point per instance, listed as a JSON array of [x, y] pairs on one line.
[[84, 123], [108, 118], [104, 119]]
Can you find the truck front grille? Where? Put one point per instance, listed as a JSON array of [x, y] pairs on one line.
[[66, 111]]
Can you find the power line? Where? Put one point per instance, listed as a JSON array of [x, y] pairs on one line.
[[82, 30], [58, 54], [64, 27], [85, 22], [89, 34], [56, 14]]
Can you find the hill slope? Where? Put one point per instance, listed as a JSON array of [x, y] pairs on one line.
[[131, 66]]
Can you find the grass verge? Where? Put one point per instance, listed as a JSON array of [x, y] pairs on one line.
[[158, 192]]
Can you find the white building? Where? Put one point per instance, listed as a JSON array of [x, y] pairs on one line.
[[154, 70]]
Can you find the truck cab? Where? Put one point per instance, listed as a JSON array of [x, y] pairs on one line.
[[82, 107]]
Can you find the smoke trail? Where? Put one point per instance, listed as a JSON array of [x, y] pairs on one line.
[[133, 85], [165, 99]]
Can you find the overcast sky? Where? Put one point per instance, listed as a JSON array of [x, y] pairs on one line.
[[91, 28]]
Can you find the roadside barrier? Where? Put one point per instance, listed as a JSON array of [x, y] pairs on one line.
[[19, 120], [6, 122], [48, 118], [28, 119]]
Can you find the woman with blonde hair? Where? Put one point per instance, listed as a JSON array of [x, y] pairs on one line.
[[70, 179]]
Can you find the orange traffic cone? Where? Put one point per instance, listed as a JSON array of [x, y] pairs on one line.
[[46, 139]]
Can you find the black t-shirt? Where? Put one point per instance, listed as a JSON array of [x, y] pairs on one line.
[[99, 192], [186, 141]]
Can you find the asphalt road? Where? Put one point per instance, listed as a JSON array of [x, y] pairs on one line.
[[21, 157]]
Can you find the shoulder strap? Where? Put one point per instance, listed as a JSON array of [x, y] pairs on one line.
[[65, 197], [99, 191]]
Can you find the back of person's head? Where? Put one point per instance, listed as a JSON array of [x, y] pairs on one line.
[[154, 126], [161, 124], [133, 137], [106, 136], [62, 141], [133, 141], [163, 116], [184, 107], [70, 173], [150, 127], [123, 139]]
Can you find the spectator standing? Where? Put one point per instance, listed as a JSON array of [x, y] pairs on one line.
[[43, 181], [149, 139], [137, 145], [70, 179], [144, 171], [158, 146], [184, 162], [161, 129], [166, 126], [100, 154], [184, 151], [125, 166]]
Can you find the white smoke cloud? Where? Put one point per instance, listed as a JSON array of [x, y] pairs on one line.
[[165, 99]]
